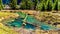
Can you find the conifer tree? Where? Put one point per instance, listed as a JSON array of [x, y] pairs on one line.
[[58, 4], [13, 4], [46, 3], [23, 4], [35, 4], [1, 5], [26, 4], [49, 6], [41, 6], [55, 5], [29, 4]]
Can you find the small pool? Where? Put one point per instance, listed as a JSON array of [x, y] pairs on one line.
[[30, 20], [19, 22]]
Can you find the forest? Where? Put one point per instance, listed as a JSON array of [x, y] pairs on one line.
[[41, 5]]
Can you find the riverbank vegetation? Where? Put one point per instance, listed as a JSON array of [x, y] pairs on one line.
[[41, 5]]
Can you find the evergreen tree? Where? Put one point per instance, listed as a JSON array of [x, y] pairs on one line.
[[1, 5], [46, 3], [58, 4], [55, 5], [13, 4], [35, 4], [23, 4], [43, 8], [29, 4], [26, 4], [49, 6], [41, 5]]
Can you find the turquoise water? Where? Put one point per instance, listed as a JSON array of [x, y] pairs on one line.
[[30, 20], [19, 22], [16, 23], [43, 26], [29, 26]]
